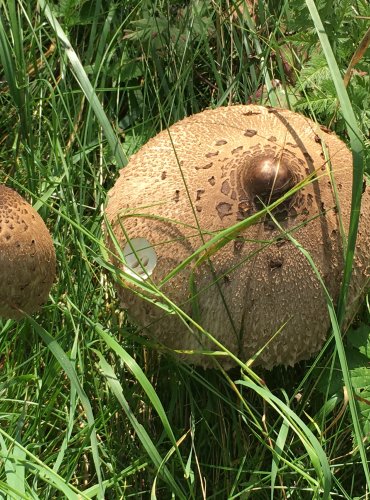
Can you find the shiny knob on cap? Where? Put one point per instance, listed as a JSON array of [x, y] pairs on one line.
[[269, 176]]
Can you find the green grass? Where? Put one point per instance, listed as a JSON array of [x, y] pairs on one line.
[[88, 408]]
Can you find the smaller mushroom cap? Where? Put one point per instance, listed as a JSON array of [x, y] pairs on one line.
[[27, 257]]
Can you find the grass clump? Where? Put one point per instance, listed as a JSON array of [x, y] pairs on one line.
[[88, 409]]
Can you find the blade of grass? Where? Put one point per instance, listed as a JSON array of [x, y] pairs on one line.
[[85, 84], [170, 452], [354, 134], [68, 367], [16, 73], [358, 171], [144, 437], [307, 438], [9, 493], [270, 88], [40, 469], [133, 468], [223, 237], [8, 66], [279, 447], [13, 467], [341, 352], [142, 379]]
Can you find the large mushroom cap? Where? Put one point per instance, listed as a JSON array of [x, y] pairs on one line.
[[27, 257], [205, 174]]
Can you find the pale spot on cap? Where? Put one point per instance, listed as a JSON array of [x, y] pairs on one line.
[[140, 258]]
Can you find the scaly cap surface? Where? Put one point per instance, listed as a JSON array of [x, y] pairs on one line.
[[206, 173]]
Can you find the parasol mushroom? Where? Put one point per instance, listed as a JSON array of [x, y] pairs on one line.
[[27, 257], [205, 174]]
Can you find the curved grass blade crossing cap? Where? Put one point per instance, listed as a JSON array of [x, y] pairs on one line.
[[211, 171]]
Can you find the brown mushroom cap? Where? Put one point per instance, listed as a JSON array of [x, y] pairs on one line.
[[233, 162], [27, 257]]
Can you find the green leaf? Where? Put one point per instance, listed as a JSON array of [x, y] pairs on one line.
[[360, 377], [360, 338]]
